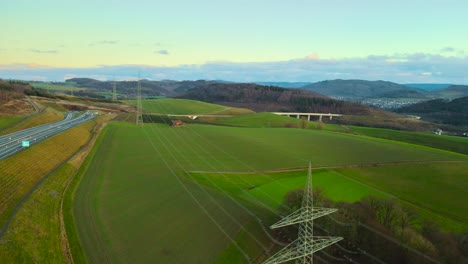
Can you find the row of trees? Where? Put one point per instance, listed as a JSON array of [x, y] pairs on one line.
[[380, 228]]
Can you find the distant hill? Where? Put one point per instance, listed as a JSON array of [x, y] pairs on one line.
[[285, 84], [427, 86], [148, 87], [272, 98], [12, 90], [451, 92], [442, 111], [359, 89], [12, 98]]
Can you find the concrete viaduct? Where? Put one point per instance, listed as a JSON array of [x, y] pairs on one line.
[[296, 115], [308, 115]]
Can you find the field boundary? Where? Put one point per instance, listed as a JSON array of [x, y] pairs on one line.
[[85, 151], [73, 248], [327, 167]]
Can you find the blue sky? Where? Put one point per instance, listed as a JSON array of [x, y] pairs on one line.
[[256, 40]]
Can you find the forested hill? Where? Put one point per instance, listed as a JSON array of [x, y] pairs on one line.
[[451, 92], [148, 87], [453, 112], [12, 90], [364, 89], [271, 98]]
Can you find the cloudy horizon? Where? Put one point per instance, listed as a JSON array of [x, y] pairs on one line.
[[245, 41], [399, 68]]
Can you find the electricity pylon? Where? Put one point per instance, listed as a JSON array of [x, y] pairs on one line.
[[114, 95], [139, 117], [303, 248]]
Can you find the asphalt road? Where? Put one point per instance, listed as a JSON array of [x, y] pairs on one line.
[[12, 143]]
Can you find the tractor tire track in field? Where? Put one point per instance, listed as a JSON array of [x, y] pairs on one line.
[[328, 167]]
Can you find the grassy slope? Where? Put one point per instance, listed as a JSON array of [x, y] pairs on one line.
[[451, 143], [34, 234], [56, 87], [261, 120], [19, 173], [437, 188], [413, 184], [178, 106], [126, 195], [6, 121], [49, 115]]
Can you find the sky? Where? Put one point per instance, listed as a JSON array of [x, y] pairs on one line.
[[242, 40]]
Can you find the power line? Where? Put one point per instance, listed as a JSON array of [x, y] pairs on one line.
[[139, 117], [303, 248]]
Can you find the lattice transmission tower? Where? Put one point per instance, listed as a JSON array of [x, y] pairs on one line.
[[139, 117], [114, 91], [303, 248]]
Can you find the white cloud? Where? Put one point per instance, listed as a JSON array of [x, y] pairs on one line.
[[44, 51], [400, 68], [162, 52], [104, 42]]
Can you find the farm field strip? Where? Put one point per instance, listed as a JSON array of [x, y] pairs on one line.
[[199, 150], [200, 204], [186, 147]]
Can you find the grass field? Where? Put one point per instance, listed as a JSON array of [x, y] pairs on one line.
[[413, 184], [57, 87], [264, 120], [132, 206], [436, 188], [451, 143], [178, 106], [34, 234], [7, 121]]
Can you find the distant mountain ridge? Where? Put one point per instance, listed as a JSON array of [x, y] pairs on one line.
[[359, 89], [285, 84]]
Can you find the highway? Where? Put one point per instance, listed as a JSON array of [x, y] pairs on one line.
[[11, 144]]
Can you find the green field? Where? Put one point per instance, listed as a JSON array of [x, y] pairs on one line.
[[7, 121], [451, 143], [413, 184], [63, 87], [34, 235], [178, 106], [264, 120], [132, 206]]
